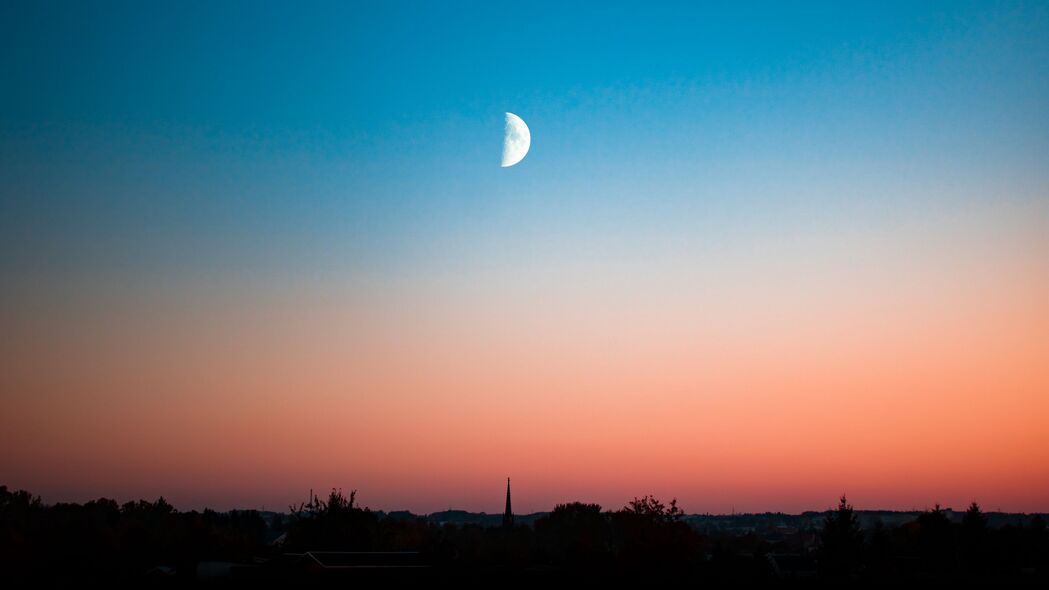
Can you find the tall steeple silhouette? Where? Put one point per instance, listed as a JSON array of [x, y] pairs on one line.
[[508, 514]]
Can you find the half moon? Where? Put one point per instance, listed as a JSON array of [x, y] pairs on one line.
[[516, 140]]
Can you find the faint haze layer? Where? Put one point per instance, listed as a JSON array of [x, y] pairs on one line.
[[757, 255]]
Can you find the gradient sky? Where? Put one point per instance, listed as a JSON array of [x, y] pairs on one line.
[[759, 254]]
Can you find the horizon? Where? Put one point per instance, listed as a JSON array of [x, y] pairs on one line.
[[753, 256], [528, 512]]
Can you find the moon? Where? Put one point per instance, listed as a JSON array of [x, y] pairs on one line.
[[516, 140]]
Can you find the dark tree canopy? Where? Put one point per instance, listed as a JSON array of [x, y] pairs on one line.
[[841, 541]]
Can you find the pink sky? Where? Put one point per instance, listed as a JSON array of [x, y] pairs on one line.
[[900, 366]]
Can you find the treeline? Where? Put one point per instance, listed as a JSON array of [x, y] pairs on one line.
[[646, 539], [105, 541], [931, 546]]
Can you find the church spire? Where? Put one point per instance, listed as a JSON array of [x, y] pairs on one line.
[[508, 515]]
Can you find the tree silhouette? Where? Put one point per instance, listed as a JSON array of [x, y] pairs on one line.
[[647, 531], [935, 540], [577, 534], [840, 542], [335, 524], [974, 520], [651, 508], [974, 539]]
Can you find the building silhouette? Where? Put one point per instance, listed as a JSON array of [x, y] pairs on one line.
[[508, 514]]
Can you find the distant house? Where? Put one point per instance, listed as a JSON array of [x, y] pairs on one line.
[[792, 566], [376, 566], [329, 560]]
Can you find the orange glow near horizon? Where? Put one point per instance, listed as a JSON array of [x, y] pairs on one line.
[[774, 378]]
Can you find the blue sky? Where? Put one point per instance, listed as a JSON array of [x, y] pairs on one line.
[[135, 134]]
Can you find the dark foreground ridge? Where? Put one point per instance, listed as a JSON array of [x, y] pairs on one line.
[[336, 541]]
